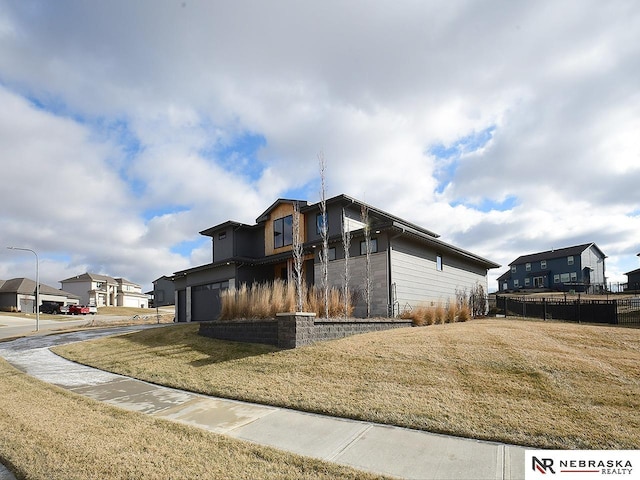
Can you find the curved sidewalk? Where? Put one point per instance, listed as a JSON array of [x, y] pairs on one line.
[[382, 449]]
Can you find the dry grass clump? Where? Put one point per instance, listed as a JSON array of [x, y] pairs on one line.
[[40, 442], [464, 314], [535, 383], [265, 300], [423, 315]]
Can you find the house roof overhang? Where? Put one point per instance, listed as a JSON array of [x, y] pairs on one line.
[[211, 231]]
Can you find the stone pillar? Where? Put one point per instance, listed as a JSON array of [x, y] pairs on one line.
[[295, 329]]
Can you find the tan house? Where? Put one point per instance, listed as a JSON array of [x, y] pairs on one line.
[[105, 291]]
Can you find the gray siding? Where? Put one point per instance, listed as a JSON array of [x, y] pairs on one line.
[[591, 258], [417, 280], [357, 267]]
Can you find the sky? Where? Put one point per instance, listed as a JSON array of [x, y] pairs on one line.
[[127, 127]]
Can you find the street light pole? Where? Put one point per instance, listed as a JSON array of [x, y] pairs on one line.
[[37, 283]]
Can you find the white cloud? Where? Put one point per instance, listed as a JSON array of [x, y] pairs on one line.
[[141, 104]]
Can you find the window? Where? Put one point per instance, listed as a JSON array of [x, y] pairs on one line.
[[526, 282], [513, 269], [556, 278], [373, 246], [570, 260], [283, 231], [574, 277], [565, 277], [222, 235], [543, 264], [332, 253], [527, 267], [516, 283], [439, 263], [319, 222]]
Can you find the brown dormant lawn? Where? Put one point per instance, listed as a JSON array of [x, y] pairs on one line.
[[49, 433], [534, 383]]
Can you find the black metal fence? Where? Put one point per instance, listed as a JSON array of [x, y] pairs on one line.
[[613, 312]]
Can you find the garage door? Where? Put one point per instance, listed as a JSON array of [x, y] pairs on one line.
[[205, 301]]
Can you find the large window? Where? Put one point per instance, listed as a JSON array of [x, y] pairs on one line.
[[283, 231], [439, 263], [373, 246], [320, 219]]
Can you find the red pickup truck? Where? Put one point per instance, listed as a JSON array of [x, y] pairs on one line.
[[78, 310]]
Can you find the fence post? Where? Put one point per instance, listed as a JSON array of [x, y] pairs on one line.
[[578, 308], [544, 308]]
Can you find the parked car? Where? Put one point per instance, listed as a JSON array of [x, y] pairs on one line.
[[93, 309], [78, 310], [64, 309], [50, 307]]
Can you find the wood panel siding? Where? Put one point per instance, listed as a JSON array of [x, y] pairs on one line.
[[282, 210]]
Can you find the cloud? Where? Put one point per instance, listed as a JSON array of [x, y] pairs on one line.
[[506, 127]]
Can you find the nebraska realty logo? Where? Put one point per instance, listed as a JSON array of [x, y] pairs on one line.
[[582, 464]]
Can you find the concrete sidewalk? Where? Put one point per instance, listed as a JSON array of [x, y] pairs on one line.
[[375, 448]]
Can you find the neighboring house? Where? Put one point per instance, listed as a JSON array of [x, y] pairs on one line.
[[633, 279], [105, 291], [580, 268], [20, 294], [164, 292], [409, 264]]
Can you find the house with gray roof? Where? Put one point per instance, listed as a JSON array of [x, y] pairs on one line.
[[580, 268], [19, 294], [105, 291], [410, 265]]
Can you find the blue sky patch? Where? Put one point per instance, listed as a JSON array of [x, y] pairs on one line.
[[488, 204], [185, 248], [448, 156], [239, 155]]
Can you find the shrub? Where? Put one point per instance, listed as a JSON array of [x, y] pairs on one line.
[[464, 314], [450, 313], [265, 300], [439, 314]]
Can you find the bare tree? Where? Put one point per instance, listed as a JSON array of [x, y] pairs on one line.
[[346, 244], [364, 217], [324, 235], [297, 256]]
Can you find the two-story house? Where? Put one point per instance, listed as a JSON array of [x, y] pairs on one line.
[[105, 291], [409, 264], [633, 279], [580, 268]]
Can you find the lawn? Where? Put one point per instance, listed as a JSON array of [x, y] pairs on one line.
[[49, 433], [534, 383]]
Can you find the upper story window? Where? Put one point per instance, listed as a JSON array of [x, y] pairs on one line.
[[439, 263], [543, 264], [527, 267], [320, 219], [513, 269], [283, 231], [332, 253], [222, 235], [373, 246], [570, 260]]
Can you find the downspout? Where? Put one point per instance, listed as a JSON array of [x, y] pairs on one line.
[[389, 279]]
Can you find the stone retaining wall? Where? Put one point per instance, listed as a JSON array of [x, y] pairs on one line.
[[291, 330]]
